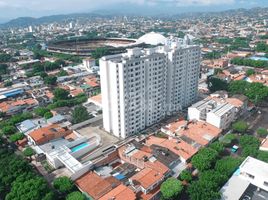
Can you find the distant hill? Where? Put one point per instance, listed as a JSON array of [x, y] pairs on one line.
[[134, 11], [28, 21]]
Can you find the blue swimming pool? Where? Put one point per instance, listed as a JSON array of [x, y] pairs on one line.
[[259, 58], [79, 147]]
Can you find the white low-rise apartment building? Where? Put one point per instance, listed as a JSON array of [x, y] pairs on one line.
[[218, 109], [250, 181], [219, 114], [142, 86]]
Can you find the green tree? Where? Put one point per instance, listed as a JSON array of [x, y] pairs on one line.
[[262, 47], [186, 175], [76, 196], [3, 69], [63, 184], [213, 178], [238, 87], [48, 115], [34, 188], [41, 111], [263, 155], [250, 72], [250, 145], [9, 130], [5, 57], [28, 152], [240, 126], [80, 114], [60, 94], [62, 73], [171, 189], [50, 80], [16, 137], [262, 132], [217, 71], [204, 159], [229, 140], [217, 146], [216, 84], [227, 165], [200, 190]]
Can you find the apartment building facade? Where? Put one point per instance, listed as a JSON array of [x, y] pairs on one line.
[[141, 87]]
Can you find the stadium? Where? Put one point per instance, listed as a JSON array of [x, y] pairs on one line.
[[85, 47]]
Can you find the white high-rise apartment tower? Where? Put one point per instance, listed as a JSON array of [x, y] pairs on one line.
[[141, 87]]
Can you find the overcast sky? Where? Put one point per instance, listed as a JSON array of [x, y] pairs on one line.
[[18, 8]]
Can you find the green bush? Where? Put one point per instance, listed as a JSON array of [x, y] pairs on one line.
[[240, 126], [17, 136], [186, 175], [48, 115], [262, 132], [171, 189], [63, 184], [28, 152], [204, 159], [76, 196]]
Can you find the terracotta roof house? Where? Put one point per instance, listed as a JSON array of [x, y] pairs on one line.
[[95, 186], [14, 107], [121, 192], [146, 180], [46, 134]]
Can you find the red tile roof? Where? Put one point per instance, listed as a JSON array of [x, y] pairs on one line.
[[95, 186], [121, 192]]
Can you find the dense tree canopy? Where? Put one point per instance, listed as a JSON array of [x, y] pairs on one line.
[[80, 114], [249, 62], [41, 111], [48, 115], [216, 84], [186, 175], [3, 69], [262, 47], [63, 184], [60, 94], [263, 155], [256, 92], [9, 130], [18, 181], [171, 189], [76, 196], [204, 159], [15, 137], [250, 145], [240, 126], [250, 72], [217, 146], [28, 152], [5, 57], [200, 190], [262, 132], [227, 165], [29, 189], [50, 80]]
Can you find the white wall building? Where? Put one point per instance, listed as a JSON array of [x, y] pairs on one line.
[[219, 114], [252, 172], [141, 87]]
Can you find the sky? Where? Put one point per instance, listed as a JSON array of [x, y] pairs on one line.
[[36, 8]]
